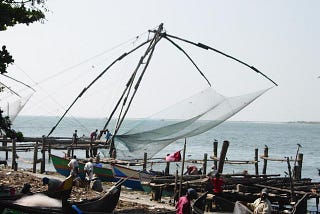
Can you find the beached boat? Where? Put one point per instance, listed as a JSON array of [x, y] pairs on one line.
[[61, 165], [113, 172], [104, 204]]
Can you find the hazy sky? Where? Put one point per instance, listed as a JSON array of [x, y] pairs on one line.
[[80, 38]]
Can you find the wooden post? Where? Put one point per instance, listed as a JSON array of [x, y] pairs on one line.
[[43, 160], [14, 155], [144, 166], [4, 144], [68, 152], [175, 187], [256, 165], [182, 167], [215, 153], [297, 169], [35, 157], [87, 153], [266, 151], [223, 154], [293, 198], [204, 166], [167, 169]]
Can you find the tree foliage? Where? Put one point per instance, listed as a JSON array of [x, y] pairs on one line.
[[24, 12], [11, 13]]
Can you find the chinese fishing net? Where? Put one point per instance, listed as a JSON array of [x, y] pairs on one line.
[[193, 116]]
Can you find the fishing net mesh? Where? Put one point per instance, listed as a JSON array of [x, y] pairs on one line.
[[193, 116]]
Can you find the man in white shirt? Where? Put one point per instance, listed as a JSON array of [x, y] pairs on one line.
[[88, 169], [261, 205], [74, 166]]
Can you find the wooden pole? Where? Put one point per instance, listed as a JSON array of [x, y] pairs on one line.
[[293, 198], [175, 186], [256, 165], [204, 166], [4, 144], [182, 167], [298, 169], [144, 166], [215, 153], [14, 155], [223, 154], [167, 169], [35, 157], [265, 161], [43, 160]]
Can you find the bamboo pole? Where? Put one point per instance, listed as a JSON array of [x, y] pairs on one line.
[[182, 167]]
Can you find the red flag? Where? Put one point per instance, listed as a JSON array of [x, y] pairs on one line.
[[174, 156]]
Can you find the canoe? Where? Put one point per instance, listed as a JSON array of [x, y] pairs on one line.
[[61, 166], [104, 204]]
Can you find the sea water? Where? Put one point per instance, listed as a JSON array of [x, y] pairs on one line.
[[282, 140]]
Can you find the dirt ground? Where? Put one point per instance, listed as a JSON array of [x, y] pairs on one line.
[[130, 201]]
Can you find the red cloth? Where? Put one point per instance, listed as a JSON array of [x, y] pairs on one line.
[[183, 206], [174, 157], [217, 184]]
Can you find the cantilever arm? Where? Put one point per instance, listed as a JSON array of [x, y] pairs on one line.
[[220, 52], [175, 44]]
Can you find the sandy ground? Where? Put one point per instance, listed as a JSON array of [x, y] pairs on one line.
[[130, 201]]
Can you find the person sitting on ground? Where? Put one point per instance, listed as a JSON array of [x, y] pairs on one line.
[[184, 204], [74, 166], [191, 170], [261, 205]]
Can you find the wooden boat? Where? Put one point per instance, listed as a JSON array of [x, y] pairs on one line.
[[104, 204], [61, 165], [135, 177], [114, 173]]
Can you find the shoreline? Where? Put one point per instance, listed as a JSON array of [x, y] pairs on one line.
[[130, 201]]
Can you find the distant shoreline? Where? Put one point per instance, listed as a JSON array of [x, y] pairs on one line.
[[245, 121]]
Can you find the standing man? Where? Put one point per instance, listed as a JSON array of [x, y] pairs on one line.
[[88, 170], [108, 135], [93, 137], [184, 204], [75, 138], [261, 205], [74, 166]]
